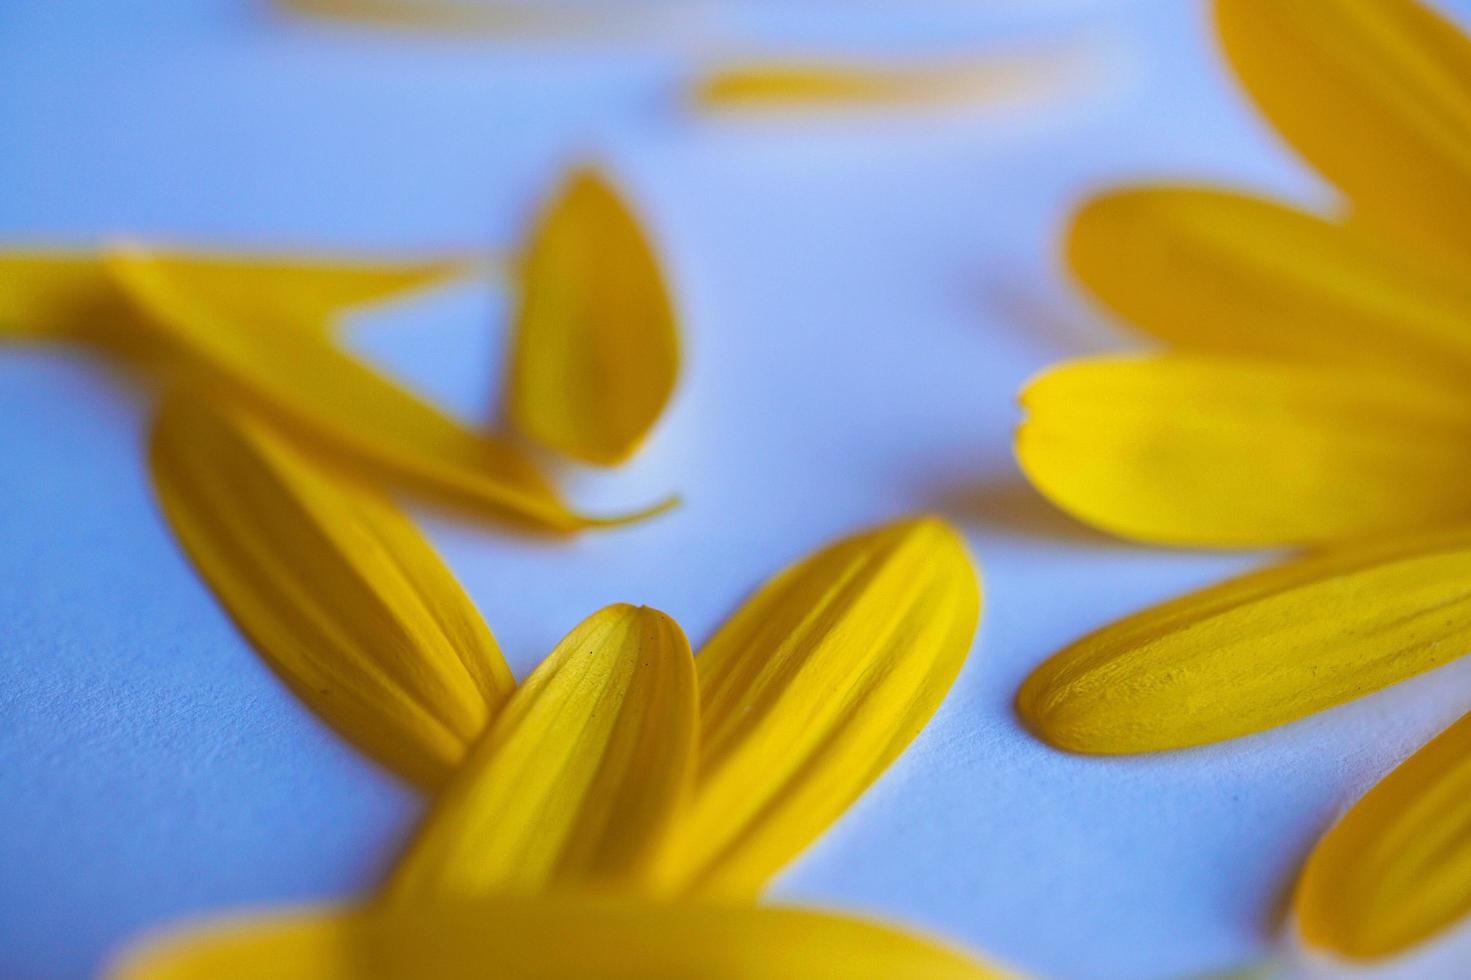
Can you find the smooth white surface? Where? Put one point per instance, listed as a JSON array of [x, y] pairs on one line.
[[862, 301]]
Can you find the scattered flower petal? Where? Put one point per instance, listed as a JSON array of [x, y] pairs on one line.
[[1212, 451], [580, 775], [811, 689], [596, 350], [1396, 869], [337, 589], [1261, 650]]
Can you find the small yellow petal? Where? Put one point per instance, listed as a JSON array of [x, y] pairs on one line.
[[1396, 869], [301, 378], [811, 689], [1259, 651], [338, 591], [579, 777], [1376, 94], [554, 937], [1227, 273], [54, 295], [596, 350], [1212, 451]]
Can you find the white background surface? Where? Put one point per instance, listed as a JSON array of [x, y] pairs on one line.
[[861, 303]]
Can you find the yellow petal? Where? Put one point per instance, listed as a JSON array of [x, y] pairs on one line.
[[1233, 274], [1396, 869], [578, 778], [811, 689], [304, 380], [338, 591], [557, 937], [1261, 650], [68, 294], [1376, 94], [1203, 451], [596, 349]]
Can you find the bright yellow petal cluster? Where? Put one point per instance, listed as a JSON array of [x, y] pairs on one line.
[[1319, 397]]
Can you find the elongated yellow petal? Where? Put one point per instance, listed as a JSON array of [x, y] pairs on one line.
[[336, 588], [1376, 94], [307, 382], [1204, 451], [1261, 650], [556, 937], [1396, 870], [580, 776], [811, 689], [68, 294], [596, 350], [1221, 272]]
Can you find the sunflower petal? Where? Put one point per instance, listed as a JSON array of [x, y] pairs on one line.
[[1261, 650], [305, 380], [1204, 451], [555, 937], [579, 777], [1376, 94], [338, 591], [1396, 869], [596, 349], [1228, 273], [811, 689], [68, 294]]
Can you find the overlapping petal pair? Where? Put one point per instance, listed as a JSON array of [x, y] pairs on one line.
[[622, 767], [595, 358], [1320, 399]]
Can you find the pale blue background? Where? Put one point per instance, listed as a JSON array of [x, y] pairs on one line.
[[861, 304]]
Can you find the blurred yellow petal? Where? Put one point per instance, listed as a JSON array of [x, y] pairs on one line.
[[68, 294], [596, 350], [304, 380], [1204, 451], [1261, 650], [1376, 94], [811, 689], [578, 778], [1396, 869], [338, 591], [1223, 272], [556, 937]]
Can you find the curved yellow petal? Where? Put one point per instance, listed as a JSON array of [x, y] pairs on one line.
[[1229, 273], [1396, 869], [1261, 650], [578, 778], [774, 84], [811, 689], [338, 591], [304, 380], [1207, 451], [596, 349], [554, 937], [1376, 94]]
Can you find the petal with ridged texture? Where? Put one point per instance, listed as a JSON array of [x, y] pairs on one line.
[[335, 587], [1221, 452], [1261, 650], [579, 777], [811, 689]]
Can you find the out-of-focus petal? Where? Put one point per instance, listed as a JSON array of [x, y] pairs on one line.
[[1261, 650], [1212, 451], [1228, 273], [1376, 94], [1396, 869], [556, 937], [579, 777], [596, 350], [305, 381], [338, 591], [811, 689]]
